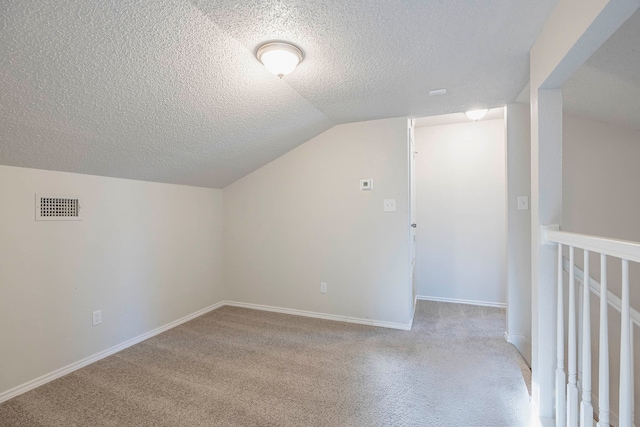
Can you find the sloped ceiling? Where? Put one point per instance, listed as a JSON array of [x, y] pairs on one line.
[[607, 86], [170, 90], [455, 118]]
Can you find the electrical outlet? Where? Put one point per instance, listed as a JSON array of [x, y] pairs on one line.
[[389, 205], [323, 288], [97, 317]]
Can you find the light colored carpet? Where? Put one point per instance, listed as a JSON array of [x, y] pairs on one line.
[[240, 367]]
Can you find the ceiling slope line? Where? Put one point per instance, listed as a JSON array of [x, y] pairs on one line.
[[253, 54]]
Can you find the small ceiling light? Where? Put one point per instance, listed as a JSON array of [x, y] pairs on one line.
[[476, 114], [280, 58]]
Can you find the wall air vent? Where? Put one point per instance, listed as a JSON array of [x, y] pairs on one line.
[[57, 208]]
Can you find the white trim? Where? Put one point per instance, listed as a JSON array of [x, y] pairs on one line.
[[415, 303], [535, 419], [594, 286], [613, 247], [30, 385], [463, 301], [335, 317], [616, 303], [613, 411], [523, 344]]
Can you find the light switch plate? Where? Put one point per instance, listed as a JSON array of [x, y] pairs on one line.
[[366, 184], [97, 317], [523, 203], [389, 205]]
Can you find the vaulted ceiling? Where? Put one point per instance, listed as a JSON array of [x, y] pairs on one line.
[[170, 90], [607, 87]]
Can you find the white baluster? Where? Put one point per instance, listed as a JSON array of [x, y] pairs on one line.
[[625, 351], [603, 378], [586, 407], [631, 377], [579, 299], [561, 378], [572, 389]]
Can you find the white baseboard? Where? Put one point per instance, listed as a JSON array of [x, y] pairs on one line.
[[535, 420], [335, 317], [413, 314], [462, 301], [30, 385], [523, 344]]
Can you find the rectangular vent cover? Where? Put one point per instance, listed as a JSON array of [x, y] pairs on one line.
[[57, 208]]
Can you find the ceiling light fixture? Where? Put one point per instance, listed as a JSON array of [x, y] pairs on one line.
[[476, 114], [280, 58]]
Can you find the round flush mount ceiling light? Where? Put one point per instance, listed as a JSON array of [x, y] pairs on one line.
[[476, 114], [280, 58]]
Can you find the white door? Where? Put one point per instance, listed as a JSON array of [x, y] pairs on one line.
[[412, 207]]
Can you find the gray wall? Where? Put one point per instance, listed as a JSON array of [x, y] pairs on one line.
[[601, 196], [460, 195], [302, 220], [518, 123], [146, 254]]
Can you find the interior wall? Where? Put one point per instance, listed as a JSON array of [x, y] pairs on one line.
[[600, 197], [571, 34], [302, 220], [145, 254], [600, 163], [460, 196], [518, 128]]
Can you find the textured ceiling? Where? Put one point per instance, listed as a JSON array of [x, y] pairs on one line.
[[607, 86], [170, 90], [455, 118]]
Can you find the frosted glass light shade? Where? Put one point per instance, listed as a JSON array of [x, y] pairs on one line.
[[476, 114], [280, 58]]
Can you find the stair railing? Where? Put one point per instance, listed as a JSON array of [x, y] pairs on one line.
[[570, 411]]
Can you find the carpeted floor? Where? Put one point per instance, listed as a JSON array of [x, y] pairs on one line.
[[240, 367]]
